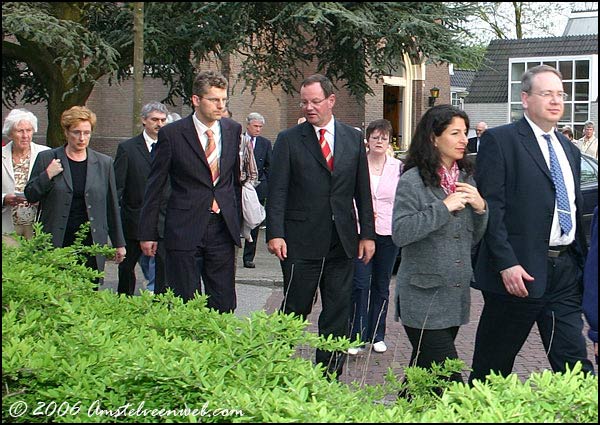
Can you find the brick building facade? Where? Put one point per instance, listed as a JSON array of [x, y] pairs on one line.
[[113, 104]]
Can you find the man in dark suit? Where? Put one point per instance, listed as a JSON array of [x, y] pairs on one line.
[[530, 262], [132, 166], [200, 156], [319, 169], [473, 144], [262, 154]]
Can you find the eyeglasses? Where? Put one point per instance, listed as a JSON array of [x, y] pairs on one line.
[[79, 133], [314, 102], [216, 100], [547, 95]]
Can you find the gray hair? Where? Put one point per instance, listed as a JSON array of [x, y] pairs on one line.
[[153, 106], [17, 115], [589, 124], [527, 77], [255, 116]]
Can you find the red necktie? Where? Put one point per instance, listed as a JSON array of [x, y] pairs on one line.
[[327, 154], [213, 163]]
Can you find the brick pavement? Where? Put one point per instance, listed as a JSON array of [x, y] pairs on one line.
[[369, 367]]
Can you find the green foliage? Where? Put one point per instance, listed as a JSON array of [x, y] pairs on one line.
[[80, 356]]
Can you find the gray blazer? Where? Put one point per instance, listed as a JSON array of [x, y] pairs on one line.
[[55, 198], [433, 281]]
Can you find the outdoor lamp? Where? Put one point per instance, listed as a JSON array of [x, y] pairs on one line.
[[435, 93]]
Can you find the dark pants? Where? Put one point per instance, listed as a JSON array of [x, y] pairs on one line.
[[506, 322], [433, 345], [127, 278], [250, 247], [332, 275], [217, 254], [371, 292]]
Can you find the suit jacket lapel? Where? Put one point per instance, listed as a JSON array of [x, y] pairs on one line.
[[7, 160], [140, 144], [309, 139], [529, 142], [190, 134], [228, 144], [92, 169], [339, 147], [61, 154]]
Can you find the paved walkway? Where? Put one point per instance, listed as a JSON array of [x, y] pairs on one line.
[[261, 288]]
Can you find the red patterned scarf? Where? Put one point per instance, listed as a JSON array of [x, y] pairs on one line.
[[448, 178]]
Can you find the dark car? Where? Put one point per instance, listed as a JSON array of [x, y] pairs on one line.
[[589, 190]]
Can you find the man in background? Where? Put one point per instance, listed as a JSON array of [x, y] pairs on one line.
[[262, 154], [473, 144], [588, 144], [132, 166]]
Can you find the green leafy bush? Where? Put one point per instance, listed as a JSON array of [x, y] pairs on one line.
[[70, 354]]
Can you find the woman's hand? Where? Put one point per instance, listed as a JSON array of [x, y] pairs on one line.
[[54, 168], [455, 202], [471, 196]]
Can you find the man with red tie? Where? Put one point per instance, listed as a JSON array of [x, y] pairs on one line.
[[199, 155], [319, 169]]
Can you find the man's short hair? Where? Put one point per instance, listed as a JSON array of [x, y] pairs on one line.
[[255, 116], [153, 106]]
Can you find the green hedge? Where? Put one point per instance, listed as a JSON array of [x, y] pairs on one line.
[[70, 354]]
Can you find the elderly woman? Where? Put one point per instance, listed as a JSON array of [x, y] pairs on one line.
[[18, 157], [438, 217], [75, 184]]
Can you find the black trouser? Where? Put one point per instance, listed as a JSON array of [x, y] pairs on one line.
[[332, 275], [433, 345], [217, 254], [506, 322], [250, 247]]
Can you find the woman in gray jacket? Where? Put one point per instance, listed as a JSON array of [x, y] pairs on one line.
[[438, 217], [75, 184]]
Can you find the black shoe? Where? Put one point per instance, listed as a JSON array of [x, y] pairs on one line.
[[249, 264]]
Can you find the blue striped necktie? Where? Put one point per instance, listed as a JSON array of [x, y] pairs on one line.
[[562, 197]]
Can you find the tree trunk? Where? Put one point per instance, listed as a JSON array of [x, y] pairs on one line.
[[55, 136], [138, 64]]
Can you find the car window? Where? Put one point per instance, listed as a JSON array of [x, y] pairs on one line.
[[589, 170]]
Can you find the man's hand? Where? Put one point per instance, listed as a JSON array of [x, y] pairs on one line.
[[366, 250], [278, 247], [120, 254], [514, 280], [149, 247]]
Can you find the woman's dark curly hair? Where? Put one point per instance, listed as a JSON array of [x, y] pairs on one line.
[[422, 152]]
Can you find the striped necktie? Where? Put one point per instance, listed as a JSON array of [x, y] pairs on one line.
[[327, 154], [213, 163]]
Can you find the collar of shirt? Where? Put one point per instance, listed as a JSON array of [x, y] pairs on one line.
[[201, 130], [329, 133], [149, 140]]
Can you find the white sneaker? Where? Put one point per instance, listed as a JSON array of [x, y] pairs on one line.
[[355, 351], [380, 347]]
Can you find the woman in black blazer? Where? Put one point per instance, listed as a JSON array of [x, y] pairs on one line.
[[76, 184]]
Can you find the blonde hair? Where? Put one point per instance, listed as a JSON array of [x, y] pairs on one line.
[[75, 115]]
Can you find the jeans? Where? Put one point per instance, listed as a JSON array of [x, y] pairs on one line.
[[371, 292], [148, 266]]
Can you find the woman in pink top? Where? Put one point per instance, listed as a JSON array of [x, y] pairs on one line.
[[371, 284]]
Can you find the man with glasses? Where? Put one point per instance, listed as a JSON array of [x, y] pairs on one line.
[[530, 262], [319, 169], [199, 155]]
